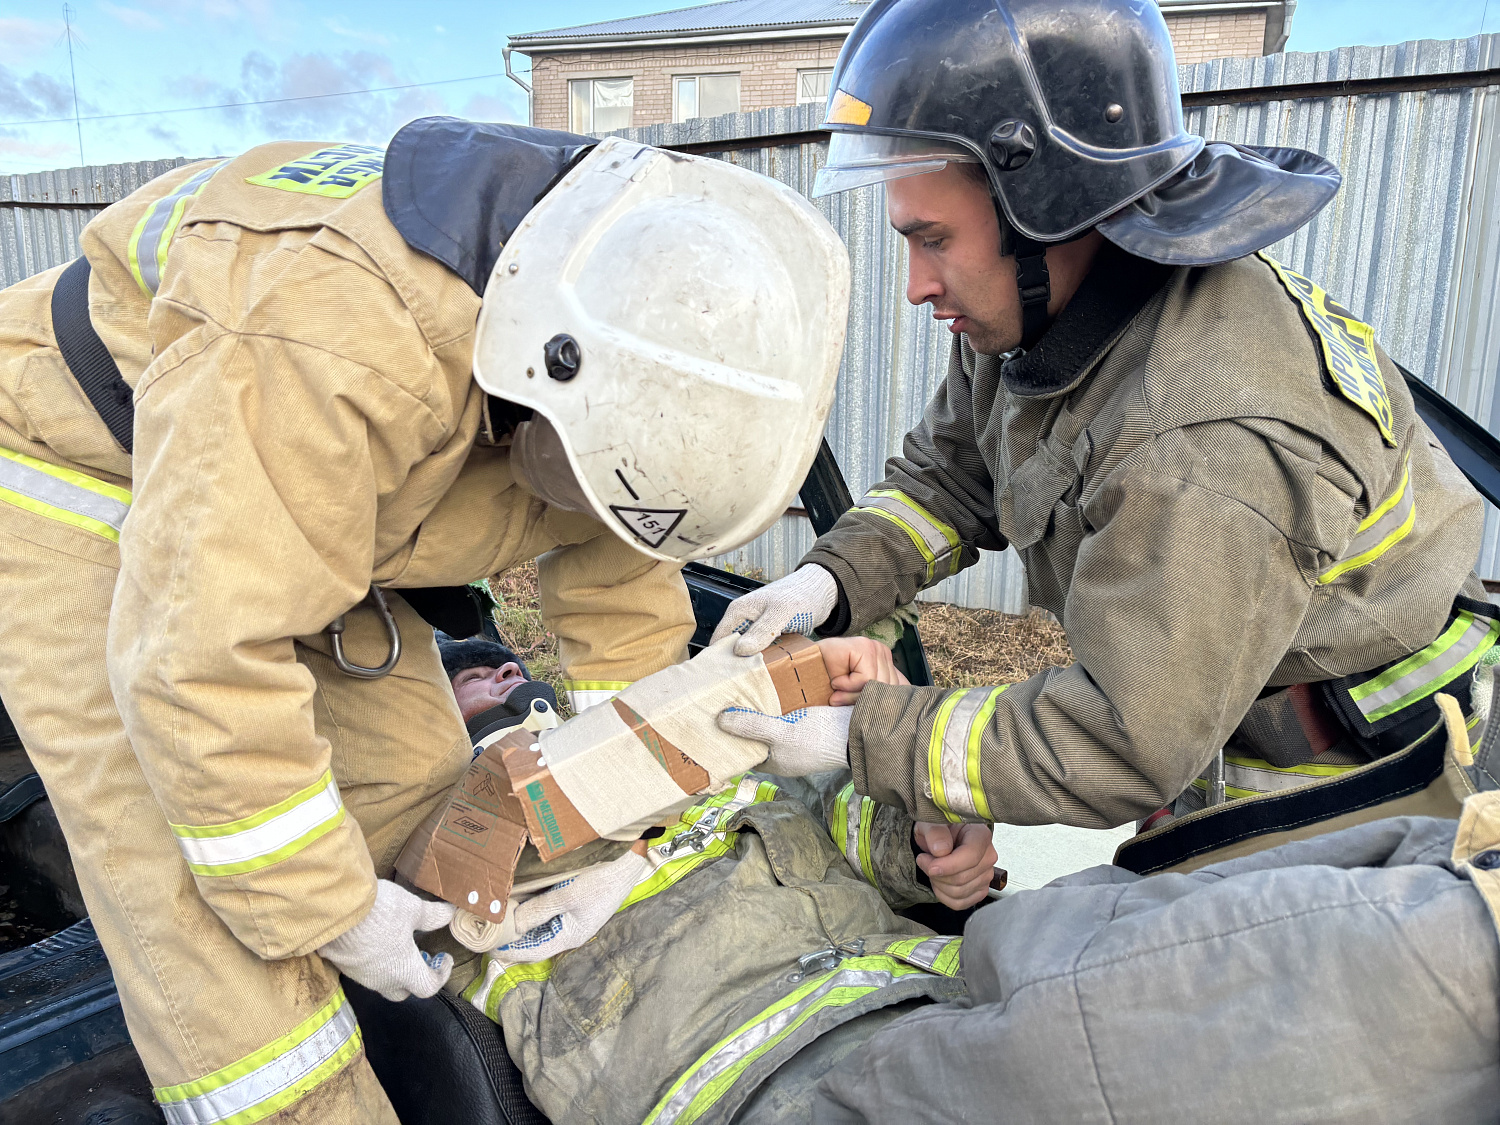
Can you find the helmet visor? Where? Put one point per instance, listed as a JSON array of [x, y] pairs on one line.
[[860, 159]]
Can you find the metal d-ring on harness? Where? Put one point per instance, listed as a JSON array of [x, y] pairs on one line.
[[335, 633]]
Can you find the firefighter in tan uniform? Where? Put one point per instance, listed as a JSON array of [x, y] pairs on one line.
[[1215, 478], [195, 627]]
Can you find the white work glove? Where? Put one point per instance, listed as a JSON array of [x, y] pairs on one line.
[[571, 913], [798, 603], [381, 953], [812, 740]]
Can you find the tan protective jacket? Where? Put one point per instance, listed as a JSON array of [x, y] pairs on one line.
[[306, 424], [1205, 510]]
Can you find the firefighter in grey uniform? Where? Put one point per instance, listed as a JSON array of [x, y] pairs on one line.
[[1215, 477]]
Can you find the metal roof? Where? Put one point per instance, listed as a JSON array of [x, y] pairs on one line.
[[706, 19]]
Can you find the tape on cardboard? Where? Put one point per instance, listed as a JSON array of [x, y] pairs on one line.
[[683, 703]]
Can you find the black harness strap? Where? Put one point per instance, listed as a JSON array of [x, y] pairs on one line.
[[87, 357], [1035, 286]]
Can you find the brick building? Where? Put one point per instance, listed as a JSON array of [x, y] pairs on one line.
[[741, 55]]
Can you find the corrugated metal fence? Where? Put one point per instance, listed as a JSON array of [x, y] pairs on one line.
[[1412, 243], [41, 214]]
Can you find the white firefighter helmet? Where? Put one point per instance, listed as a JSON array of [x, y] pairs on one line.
[[676, 324]]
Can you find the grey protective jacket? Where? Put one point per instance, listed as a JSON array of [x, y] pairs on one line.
[[766, 925], [1351, 978], [1202, 504]]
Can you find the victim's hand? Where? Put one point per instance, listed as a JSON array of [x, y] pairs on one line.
[[959, 859], [853, 662]]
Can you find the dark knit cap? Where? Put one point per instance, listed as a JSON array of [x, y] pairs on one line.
[[475, 653]]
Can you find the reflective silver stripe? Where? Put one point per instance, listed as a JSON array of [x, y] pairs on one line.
[[757, 1035], [277, 1076], [744, 796], [148, 242], [926, 954], [26, 477], [1387, 525], [265, 838], [1259, 780], [583, 694], [854, 805], [1242, 779], [1424, 672], [937, 542], [958, 794]]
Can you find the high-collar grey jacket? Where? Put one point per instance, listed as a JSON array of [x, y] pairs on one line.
[[1199, 504]]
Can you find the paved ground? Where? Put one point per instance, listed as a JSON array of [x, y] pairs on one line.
[[1036, 855]]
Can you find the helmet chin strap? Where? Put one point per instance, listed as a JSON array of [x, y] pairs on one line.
[[1033, 282], [1035, 286]]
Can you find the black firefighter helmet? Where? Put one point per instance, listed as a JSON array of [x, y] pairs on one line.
[[1073, 109]]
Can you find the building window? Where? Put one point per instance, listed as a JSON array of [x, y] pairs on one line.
[[599, 105], [812, 85], [705, 95]]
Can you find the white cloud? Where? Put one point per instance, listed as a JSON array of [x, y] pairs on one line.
[[49, 151], [373, 38], [131, 17], [440, 29], [36, 95], [261, 14], [21, 39], [487, 107], [365, 118]]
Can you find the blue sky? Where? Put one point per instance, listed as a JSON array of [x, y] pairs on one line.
[[135, 56]]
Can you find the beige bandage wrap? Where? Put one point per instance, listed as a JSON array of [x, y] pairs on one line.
[[481, 935], [614, 780]]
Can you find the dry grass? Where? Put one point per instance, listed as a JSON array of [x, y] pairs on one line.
[[975, 647], [965, 647], [520, 622]]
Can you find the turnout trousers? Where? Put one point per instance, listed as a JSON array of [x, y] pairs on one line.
[[224, 1035]]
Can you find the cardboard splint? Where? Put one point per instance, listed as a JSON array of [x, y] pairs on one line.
[[612, 771], [614, 764], [466, 851]]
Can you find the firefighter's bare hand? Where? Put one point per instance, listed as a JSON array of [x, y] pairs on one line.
[[959, 860], [853, 662]]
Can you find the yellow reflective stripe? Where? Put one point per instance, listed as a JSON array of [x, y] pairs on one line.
[[1250, 777], [708, 1079], [485, 992], [1391, 501], [956, 771], [146, 252], [671, 865], [862, 846], [853, 818], [1457, 650], [133, 249], [935, 755], [1381, 530], [265, 838], [839, 828], [933, 539], [272, 1078], [976, 730], [61, 494], [939, 955], [583, 694]]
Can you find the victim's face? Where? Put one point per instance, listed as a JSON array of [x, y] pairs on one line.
[[479, 689]]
